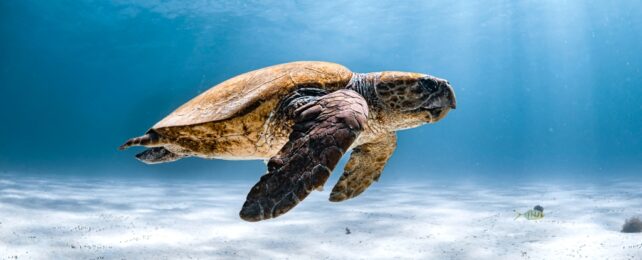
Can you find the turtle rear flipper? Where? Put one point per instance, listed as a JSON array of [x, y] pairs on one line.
[[158, 155], [324, 129], [151, 138]]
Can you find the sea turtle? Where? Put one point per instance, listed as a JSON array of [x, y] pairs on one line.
[[301, 117]]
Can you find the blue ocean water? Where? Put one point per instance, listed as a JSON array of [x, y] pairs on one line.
[[549, 112], [544, 88]]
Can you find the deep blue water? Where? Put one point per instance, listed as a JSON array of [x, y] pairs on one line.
[[545, 89]]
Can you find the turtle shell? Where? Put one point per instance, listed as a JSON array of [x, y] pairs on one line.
[[241, 94]]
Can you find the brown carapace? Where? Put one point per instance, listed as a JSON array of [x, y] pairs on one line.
[[301, 117]]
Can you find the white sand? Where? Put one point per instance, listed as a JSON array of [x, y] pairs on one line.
[[63, 219]]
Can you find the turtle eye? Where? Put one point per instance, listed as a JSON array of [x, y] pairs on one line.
[[429, 83]]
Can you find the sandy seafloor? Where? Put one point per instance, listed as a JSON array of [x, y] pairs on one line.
[[67, 218]]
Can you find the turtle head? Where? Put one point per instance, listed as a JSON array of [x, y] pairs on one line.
[[419, 97]]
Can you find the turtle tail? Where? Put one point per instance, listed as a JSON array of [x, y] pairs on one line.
[[150, 138]]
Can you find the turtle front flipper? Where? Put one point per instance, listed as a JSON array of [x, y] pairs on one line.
[[364, 167], [324, 129]]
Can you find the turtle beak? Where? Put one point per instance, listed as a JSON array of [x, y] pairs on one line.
[[444, 96], [451, 95], [443, 101]]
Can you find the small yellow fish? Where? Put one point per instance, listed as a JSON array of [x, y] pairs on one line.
[[532, 214]]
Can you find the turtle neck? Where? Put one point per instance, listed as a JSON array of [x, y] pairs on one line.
[[364, 84]]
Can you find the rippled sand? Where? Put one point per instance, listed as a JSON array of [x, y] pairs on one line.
[[80, 219]]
